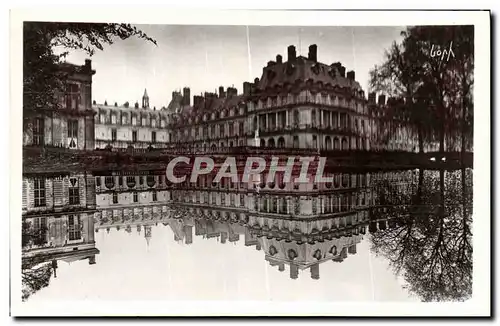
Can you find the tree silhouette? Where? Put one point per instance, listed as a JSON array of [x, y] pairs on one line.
[[431, 247], [437, 91]]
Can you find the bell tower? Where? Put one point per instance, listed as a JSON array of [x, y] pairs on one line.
[[145, 100]]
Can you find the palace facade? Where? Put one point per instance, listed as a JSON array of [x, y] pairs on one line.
[[131, 127], [72, 124], [57, 215], [296, 103]]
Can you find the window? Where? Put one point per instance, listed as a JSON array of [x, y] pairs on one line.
[[155, 196], [73, 133], [72, 96], [136, 197], [212, 131], [120, 181], [40, 230], [98, 181], [134, 136], [115, 198], [222, 130], [296, 116], [113, 119], [39, 187], [74, 193], [38, 132], [153, 136], [113, 134], [134, 121], [75, 227]]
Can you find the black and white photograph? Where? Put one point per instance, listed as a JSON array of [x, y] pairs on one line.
[[244, 163]]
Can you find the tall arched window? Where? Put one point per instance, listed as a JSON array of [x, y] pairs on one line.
[[345, 146], [336, 144], [281, 142], [328, 143]]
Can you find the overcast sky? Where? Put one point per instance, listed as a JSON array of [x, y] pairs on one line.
[[206, 57]]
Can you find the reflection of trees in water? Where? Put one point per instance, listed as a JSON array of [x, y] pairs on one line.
[[430, 245], [35, 275], [34, 278]]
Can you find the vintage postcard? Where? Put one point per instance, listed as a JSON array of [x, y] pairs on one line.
[[250, 163]]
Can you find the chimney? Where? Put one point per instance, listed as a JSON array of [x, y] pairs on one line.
[[381, 100], [372, 98], [343, 253], [294, 271], [313, 53], [92, 260], [231, 91], [351, 75], [342, 71], [352, 250], [271, 63], [186, 96], [258, 247], [291, 53], [281, 267], [246, 88], [256, 81], [197, 101], [279, 59], [88, 64], [315, 271], [223, 237], [221, 92]]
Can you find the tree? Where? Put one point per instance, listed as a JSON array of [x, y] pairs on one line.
[[431, 248], [42, 77], [437, 85], [34, 278], [399, 77]]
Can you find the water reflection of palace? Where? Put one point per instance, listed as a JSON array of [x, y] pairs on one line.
[[300, 225], [296, 226], [57, 213]]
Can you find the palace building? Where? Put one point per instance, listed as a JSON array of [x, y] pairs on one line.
[[131, 127], [297, 103], [57, 215], [72, 124]]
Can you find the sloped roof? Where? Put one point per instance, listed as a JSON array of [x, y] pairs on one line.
[[279, 74]]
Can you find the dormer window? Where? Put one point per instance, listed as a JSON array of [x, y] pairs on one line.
[[332, 72], [271, 74], [315, 69]]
